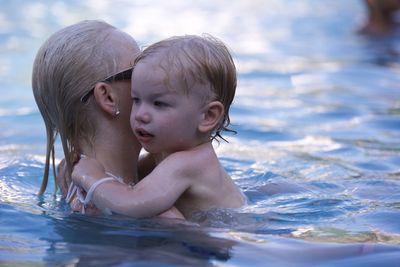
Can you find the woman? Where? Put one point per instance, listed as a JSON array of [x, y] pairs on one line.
[[81, 84]]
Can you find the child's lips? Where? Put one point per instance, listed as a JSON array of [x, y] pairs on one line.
[[143, 136]]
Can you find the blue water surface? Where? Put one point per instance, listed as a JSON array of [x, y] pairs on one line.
[[317, 153]]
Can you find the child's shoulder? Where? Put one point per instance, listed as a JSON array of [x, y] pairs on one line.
[[183, 158], [192, 159], [203, 151]]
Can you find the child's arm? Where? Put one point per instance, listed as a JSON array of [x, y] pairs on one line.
[[147, 163], [153, 195]]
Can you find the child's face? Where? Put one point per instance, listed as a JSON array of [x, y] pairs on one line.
[[162, 119]]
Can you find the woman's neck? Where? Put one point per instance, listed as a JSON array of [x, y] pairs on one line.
[[117, 157], [121, 162]]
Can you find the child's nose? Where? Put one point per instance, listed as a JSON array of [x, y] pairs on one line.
[[142, 114]]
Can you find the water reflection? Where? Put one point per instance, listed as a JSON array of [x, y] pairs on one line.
[[86, 241], [258, 28]]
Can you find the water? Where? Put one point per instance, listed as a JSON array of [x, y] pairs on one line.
[[317, 151]]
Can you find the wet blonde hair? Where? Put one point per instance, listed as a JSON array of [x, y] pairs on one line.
[[67, 66], [203, 59]]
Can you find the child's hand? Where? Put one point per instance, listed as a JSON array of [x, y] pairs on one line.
[[172, 213], [90, 208], [86, 172], [75, 204]]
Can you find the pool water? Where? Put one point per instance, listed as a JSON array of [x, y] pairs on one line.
[[317, 152]]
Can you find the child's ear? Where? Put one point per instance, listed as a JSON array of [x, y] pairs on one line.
[[106, 98], [212, 116]]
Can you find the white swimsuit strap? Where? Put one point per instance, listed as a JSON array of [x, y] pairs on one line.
[[74, 189], [71, 192], [119, 179], [94, 186]]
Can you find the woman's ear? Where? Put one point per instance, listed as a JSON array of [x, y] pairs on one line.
[[211, 117], [106, 98]]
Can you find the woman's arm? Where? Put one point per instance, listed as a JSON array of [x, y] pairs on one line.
[[153, 195]]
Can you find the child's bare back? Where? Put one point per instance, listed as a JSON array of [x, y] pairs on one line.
[[208, 184]]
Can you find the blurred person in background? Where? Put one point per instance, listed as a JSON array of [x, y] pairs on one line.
[[381, 16]]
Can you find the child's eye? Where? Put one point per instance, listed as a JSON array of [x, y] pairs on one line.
[[160, 104], [135, 100]]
